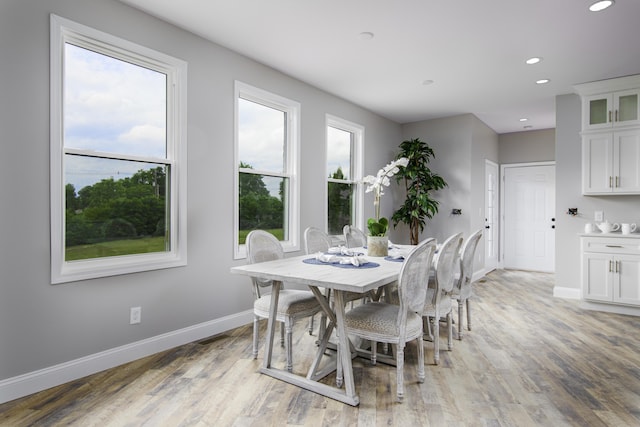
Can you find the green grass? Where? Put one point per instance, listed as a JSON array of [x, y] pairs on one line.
[[115, 247], [135, 246]]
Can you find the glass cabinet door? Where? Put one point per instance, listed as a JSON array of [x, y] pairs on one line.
[[597, 111], [626, 108]]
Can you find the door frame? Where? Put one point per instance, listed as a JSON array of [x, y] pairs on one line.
[[497, 222], [503, 167]]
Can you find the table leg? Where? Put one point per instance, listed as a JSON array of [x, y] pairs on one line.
[[271, 324], [344, 353]]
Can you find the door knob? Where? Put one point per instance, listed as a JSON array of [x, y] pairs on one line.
[[487, 226]]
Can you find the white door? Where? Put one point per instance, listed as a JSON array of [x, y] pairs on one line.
[[529, 217], [490, 235]]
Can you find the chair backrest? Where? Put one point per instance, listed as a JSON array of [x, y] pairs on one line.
[[316, 240], [444, 266], [354, 237], [262, 246], [413, 279], [467, 254]]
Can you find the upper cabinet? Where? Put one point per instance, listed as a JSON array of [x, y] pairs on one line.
[[611, 136], [607, 110]]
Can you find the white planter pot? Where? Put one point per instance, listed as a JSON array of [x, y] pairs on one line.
[[377, 245]]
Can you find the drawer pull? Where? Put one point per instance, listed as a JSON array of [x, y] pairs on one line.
[[613, 246]]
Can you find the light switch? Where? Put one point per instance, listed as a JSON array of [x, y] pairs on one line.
[[599, 216]]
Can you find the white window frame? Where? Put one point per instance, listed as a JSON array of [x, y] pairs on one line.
[[292, 155], [63, 31], [357, 162]]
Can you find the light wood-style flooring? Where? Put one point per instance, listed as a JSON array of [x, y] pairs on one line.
[[530, 360]]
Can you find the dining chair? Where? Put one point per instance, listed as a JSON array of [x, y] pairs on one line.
[[438, 302], [354, 237], [462, 289], [292, 304], [398, 323]]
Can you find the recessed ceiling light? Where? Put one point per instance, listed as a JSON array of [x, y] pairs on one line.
[[365, 35], [523, 119], [542, 81], [533, 60], [600, 5], [427, 82]]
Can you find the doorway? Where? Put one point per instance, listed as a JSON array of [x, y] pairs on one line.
[[528, 219]]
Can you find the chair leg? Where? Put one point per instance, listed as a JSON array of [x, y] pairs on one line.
[[450, 331], [374, 352], [460, 304], [436, 342], [400, 371], [311, 325], [289, 345], [255, 337], [421, 375], [468, 315], [282, 327]]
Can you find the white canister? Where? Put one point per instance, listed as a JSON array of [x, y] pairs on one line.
[[588, 228], [627, 228]]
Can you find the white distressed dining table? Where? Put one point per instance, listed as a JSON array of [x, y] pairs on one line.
[[294, 271]]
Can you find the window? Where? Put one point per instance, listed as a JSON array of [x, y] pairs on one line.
[[118, 152], [344, 166], [266, 161]]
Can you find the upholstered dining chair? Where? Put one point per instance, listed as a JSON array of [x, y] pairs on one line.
[[438, 302], [398, 323], [292, 304], [462, 289], [354, 237]]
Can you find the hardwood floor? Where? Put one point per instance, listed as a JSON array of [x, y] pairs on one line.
[[530, 360]]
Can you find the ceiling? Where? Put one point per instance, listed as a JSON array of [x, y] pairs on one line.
[[474, 51]]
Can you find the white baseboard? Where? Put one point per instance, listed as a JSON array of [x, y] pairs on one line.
[[569, 293], [611, 308], [32, 382]]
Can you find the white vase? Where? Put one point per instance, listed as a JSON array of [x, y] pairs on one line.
[[377, 245]]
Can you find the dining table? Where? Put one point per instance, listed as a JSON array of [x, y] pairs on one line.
[[306, 270]]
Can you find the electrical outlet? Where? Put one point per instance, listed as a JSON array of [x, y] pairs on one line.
[[135, 315], [598, 216]]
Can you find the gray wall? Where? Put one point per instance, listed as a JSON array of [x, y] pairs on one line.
[[461, 144], [569, 194], [42, 325], [529, 146]]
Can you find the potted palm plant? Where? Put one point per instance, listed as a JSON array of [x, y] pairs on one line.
[[420, 182]]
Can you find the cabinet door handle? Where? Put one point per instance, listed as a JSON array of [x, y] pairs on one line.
[[610, 182], [610, 266], [613, 246], [616, 115], [617, 181], [609, 116], [617, 266]]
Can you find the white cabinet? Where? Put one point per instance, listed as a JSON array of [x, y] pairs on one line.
[[611, 136], [607, 110], [611, 162], [611, 269]]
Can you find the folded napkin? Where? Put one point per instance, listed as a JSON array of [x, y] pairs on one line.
[[335, 259], [398, 253], [342, 250]]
